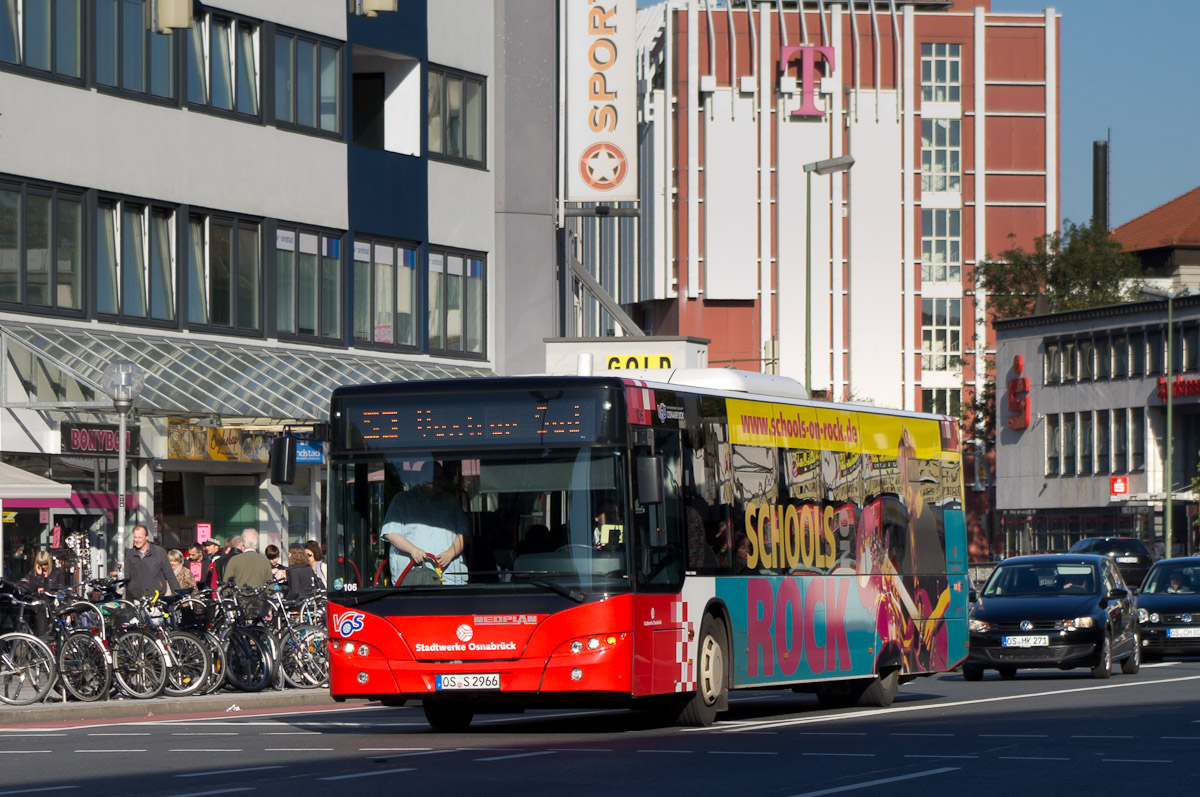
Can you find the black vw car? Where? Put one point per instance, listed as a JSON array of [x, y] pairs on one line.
[[1169, 609], [1131, 555], [1058, 610]]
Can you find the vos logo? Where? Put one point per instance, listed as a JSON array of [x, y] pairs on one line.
[[348, 623]]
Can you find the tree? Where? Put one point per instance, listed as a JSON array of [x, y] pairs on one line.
[[1078, 268]]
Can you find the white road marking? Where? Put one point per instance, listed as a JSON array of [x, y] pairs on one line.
[[118, 734], [39, 789], [205, 750], [296, 749], [392, 749], [369, 774], [22, 752], [743, 752], [199, 733], [582, 749], [1082, 736], [516, 755], [1137, 760], [939, 755], [1182, 738], [1030, 758], [214, 791], [40, 735], [842, 755], [1014, 736], [833, 733], [868, 784], [289, 733], [665, 751], [885, 713], [922, 734], [227, 771], [110, 750]]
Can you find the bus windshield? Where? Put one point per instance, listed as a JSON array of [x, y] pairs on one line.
[[493, 521]]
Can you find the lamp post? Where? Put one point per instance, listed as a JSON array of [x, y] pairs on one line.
[[1169, 466], [829, 166], [122, 381]]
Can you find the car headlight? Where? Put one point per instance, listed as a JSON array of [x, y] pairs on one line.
[[980, 626], [1079, 622], [1147, 617]]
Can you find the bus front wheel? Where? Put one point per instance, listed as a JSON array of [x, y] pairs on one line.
[[700, 710]]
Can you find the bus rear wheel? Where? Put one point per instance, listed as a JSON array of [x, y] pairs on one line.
[[447, 717], [700, 710], [882, 691]]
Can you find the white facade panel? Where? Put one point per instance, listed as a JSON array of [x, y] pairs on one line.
[[876, 271], [152, 152], [460, 35], [324, 18], [803, 141], [730, 197], [461, 207]]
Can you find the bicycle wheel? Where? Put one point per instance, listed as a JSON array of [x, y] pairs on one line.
[[26, 669], [271, 642], [191, 662], [304, 657], [247, 661], [139, 665], [84, 667], [217, 665]]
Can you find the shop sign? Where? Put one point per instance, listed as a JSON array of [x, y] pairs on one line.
[[310, 452], [1179, 387], [601, 99], [618, 362], [1118, 485], [1019, 404], [90, 438], [221, 444], [807, 56]]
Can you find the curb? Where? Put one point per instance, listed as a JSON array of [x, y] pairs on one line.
[[232, 703]]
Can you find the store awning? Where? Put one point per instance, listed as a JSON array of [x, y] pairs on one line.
[[16, 483], [193, 376]]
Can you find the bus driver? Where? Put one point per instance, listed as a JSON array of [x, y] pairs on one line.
[[427, 517]]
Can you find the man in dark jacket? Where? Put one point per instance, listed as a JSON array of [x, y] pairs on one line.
[[147, 567]]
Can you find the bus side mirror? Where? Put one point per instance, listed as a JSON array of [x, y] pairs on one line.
[[649, 479], [283, 459]]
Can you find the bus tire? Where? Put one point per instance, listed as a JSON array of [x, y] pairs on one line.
[[712, 687], [447, 717], [882, 691]]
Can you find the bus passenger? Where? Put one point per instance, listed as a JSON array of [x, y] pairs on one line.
[[426, 518]]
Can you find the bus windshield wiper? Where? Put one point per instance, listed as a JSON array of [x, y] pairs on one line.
[[538, 578]]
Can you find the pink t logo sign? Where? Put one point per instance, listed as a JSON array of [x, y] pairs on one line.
[[808, 75]]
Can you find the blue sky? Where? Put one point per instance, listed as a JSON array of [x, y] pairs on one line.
[[1132, 67]]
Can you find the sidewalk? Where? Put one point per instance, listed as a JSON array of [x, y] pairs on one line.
[[50, 713]]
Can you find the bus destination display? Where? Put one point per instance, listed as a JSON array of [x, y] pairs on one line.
[[527, 421]]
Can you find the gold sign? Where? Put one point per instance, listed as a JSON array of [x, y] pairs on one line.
[[223, 444]]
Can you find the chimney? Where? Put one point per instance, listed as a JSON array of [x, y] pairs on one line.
[[1100, 184]]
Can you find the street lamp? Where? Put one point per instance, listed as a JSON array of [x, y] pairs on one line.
[[829, 166], [1169, 467], [122, 381]]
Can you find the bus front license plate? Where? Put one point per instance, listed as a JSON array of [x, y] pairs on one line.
[[1028, 641], [489, 680]]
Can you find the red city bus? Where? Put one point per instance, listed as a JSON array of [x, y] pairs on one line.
[[503, 543]]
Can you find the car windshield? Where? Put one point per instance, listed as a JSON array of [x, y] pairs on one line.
[[1166, 578], [1071, 578], [512, 521]]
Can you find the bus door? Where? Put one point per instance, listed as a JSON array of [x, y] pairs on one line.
[[659, 557]]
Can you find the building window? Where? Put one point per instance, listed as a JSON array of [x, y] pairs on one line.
[[1087, 360], [1069, 362], [1137, 434], [941, 68], [223, 64], [1154, 352], [1103, 442], [129, 57], [308, 83], [941, 155], [1103, 358], [1052, 364], [385, 293], [41, 247], [1176, 353], [42, 35], [1068, 444], [1191, 348], [1086, 439], [308, 284], [456, 302], [1137, 354], [941, 334], [135, 260], [457, 116], [1052, 445], [1120, 441], [941, 245], [943, 401], [1120, 351], [224, 272]]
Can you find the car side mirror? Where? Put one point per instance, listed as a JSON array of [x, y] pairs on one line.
[[1118, 593], [972, 595]]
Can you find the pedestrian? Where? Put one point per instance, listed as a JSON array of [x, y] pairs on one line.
[[196, 563], [233, 548], [208, 564], [249, 568], [147, 567], [317, 561], [278, 571], [183, 573], [301, 578], [45, 577]]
